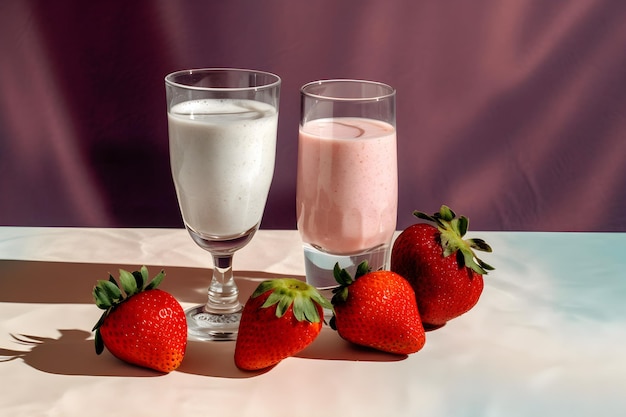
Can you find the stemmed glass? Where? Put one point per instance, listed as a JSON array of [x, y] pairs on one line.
[[222, 135]]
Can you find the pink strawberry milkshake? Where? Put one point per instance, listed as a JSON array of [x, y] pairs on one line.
[[347, 184]]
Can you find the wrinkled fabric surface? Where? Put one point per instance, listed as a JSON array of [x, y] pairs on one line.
[[513, 113], [547, 336]]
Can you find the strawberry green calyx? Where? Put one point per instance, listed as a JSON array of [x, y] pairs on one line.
[[343, 278], [288, 291], [452, 229], [109, 294]]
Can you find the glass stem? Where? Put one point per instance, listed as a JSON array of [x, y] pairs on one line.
[[223, 292]]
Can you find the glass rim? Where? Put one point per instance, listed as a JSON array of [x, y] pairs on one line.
[[168, 79], [374, 97]]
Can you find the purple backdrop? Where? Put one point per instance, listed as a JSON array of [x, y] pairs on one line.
[[511, 112]]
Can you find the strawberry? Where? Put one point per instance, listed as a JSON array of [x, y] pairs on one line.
[[281, 318], [378, 310], [445, 286], [141, 325]]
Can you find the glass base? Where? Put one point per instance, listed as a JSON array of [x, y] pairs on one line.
[[319, 264], [202, 325]]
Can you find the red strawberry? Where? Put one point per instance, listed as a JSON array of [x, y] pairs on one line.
[[281, 318], [141, 325], [377, 309], [445, 286]]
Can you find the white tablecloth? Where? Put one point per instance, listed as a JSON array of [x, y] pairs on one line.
[[547, 338]]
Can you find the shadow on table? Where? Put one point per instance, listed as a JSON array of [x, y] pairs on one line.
[[73, 352], [330, 346], [68, 282], [70, 354], [217, 358], [214, 359]]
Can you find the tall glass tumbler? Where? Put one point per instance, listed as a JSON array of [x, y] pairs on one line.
[[222, 136], [347, 178]]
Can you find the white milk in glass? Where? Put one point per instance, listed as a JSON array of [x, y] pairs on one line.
[[222, 156]]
